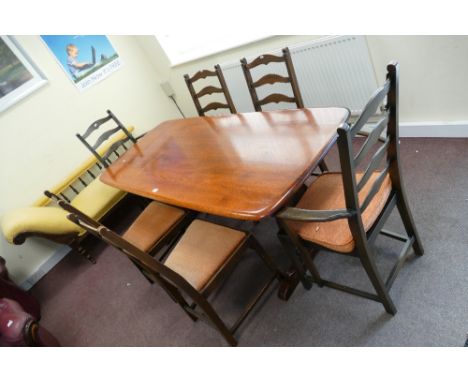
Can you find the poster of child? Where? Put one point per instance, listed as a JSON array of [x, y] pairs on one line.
[[86, 60]]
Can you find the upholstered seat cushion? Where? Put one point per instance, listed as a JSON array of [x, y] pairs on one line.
[[96, 199], [44, 220], [327, 193], [156, 220], [202, 251]]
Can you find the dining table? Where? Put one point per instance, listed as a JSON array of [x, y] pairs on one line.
[[244, 166]]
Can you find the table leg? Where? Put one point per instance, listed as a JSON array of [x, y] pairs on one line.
[[296, 273]]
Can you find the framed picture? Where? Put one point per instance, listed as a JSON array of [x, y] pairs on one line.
[[86, 60], [19, 76]]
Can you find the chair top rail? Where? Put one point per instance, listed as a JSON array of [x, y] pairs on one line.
[[371, 107], [95, 125], [264, 59], [201, 74]]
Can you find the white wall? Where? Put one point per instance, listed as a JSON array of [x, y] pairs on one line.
[[38, 147], [434, 75]]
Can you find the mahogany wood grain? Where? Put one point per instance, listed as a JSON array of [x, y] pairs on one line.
[[242, 166]]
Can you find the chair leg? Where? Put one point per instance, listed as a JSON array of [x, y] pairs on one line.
[[379, 286], [76, 247], [217, 322], [410, 227]]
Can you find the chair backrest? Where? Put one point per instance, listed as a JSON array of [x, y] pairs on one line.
[[381, 146], [104, 158], [208, 90], [172, 282], [270, 79]]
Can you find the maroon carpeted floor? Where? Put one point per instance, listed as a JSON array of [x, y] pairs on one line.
[[112, 304]]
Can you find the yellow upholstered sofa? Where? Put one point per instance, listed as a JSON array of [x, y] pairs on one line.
[[82, 189]]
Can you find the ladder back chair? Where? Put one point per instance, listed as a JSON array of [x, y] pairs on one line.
[[208, 90], [344, 212], [194, 268], [104, 157], [270, 79]]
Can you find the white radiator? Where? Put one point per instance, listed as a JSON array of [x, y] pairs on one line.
[[333, 71]]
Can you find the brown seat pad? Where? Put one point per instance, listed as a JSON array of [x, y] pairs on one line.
[[327, 193], [156, 219], [202, 251]]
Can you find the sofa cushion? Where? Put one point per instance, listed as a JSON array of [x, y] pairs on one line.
[[97, 199]]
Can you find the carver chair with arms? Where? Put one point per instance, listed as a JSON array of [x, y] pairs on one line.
[[344, 212]]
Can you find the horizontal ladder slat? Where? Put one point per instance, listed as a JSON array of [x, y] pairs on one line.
[[276, 98], [374, 163], [371, 107], [214, 106], [271, 79], [209, 90], [375, 188], [373, 137]]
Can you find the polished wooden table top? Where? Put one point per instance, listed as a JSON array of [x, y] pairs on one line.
[[242, 166]]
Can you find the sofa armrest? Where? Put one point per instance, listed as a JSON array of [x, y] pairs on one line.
[[49, 222]]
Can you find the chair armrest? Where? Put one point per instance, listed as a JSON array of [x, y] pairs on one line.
[[294, 213]]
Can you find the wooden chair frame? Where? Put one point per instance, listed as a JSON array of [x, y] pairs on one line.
[[202, 74], [364, 241], [175, 285], [270, 79], [104, 159]]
